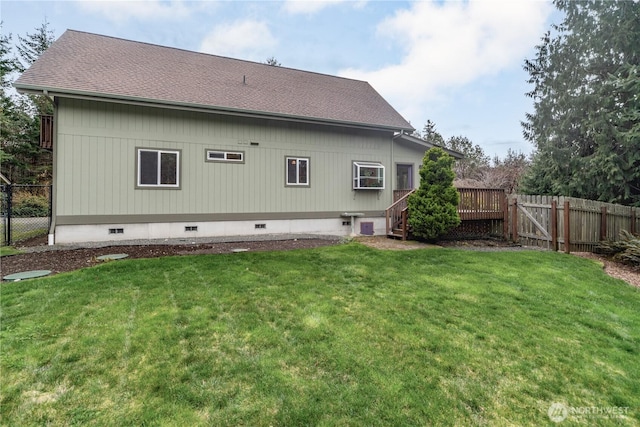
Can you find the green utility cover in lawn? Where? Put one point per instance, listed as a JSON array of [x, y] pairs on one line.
[[110, 257], [26, 275]]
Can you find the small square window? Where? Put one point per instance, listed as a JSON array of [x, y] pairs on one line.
[[297, 171]]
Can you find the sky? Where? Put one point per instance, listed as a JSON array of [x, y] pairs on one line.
[[456, 63]]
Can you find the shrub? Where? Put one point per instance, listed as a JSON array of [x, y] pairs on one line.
[[626, 250], [433, 208], [29, 205]]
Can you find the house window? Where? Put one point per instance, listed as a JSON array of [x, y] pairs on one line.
[[297, 171], [368, 176], [225, 156], [158, 168]]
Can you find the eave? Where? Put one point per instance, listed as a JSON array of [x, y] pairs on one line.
[[159, 103]]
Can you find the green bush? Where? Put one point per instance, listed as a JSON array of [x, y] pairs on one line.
[[30, 206], [433, 208], [626, 250]]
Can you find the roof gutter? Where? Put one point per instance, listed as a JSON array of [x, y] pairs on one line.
[[131, 100], [418, 141]]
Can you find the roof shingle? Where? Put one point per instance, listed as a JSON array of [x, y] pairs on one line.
[[81, 63]]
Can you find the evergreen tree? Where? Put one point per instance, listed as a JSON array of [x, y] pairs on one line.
[[430, 134], [586, 92], [474, 162], [21, 158], [433, 208], [29, 49], [273, 62]]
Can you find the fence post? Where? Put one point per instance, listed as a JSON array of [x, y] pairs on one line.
[[514, 220], [633, 221], [7, 229], [554, 225], [567, 228], [505, 218], [603, 223]]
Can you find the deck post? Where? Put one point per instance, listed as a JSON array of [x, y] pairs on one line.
[[514, 220], [505, 216], [567, 228]]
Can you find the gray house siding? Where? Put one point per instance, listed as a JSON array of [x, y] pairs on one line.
[[95, 155], [408, 155]]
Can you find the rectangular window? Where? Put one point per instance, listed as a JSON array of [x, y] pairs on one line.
[[404, 177], [225, 156], [298, 171], [368, 176], [158, 168]]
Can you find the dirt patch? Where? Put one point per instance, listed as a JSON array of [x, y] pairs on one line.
[[383, 242]]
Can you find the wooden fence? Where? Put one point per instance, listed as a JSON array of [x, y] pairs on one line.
[[558, 223], [567, 223]]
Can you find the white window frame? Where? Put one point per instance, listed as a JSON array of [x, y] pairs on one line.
[[362, 181], [159, 153], [286, 171], [225, 156]]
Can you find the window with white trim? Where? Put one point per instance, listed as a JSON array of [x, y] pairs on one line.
[[297, 171], [157, 168], [225, 156], [368, 176]]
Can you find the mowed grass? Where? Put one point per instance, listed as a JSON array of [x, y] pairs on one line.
[[336, 336], [8, 250]]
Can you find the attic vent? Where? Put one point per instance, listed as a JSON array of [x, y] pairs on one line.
[[116, 231], [261, 225], [191, 228]]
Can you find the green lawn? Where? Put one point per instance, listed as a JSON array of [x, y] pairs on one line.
[[8, 250], [336, 336]]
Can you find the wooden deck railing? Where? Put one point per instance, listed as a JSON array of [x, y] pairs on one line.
[[399, 194], [475, 204], [482, 203], [396, 215]]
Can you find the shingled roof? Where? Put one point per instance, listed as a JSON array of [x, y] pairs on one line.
[[84, 64]]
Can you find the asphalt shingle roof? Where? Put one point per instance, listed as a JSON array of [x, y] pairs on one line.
[[80, 63]]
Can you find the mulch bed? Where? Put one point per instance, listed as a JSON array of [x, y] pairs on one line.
[[61, 260]]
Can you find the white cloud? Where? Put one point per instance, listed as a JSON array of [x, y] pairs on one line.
[[123, 10], [448, 45], [309, 7], [241, 39]]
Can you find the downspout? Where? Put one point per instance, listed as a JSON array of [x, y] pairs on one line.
[[392, 164], [54, 175]]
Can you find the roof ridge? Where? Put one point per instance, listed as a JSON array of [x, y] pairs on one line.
[[217, 56]]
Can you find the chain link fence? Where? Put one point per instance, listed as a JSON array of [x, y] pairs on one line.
[[25, 212]]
